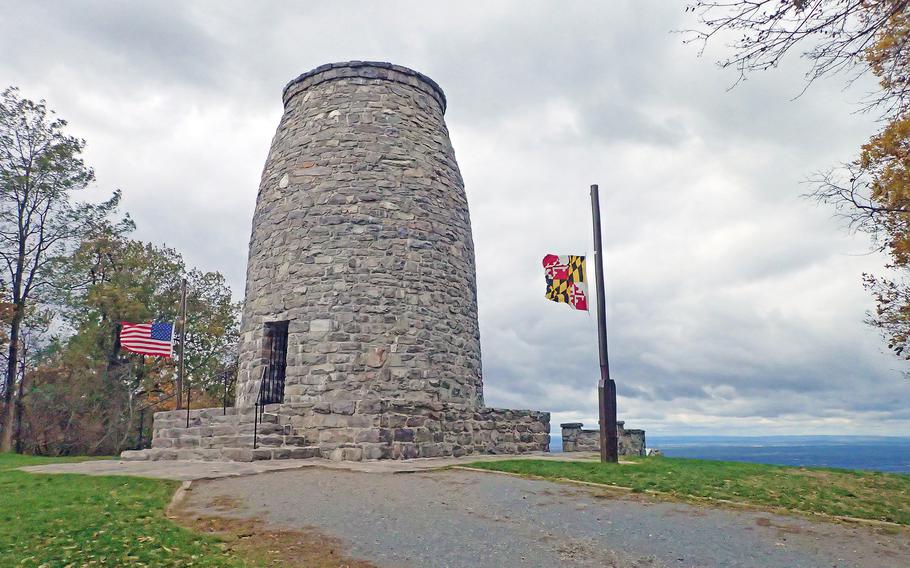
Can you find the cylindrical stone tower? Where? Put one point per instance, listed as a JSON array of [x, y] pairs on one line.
[[361, 280]]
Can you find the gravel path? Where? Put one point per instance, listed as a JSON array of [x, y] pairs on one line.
[[466, 519]]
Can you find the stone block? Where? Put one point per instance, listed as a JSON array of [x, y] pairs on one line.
[[352, 454], [224, 430], [343, 407], [417, 421], [423, 435], [134, 455], [321, 326], [376, 451], [281, 453], [404, 451], [395, 420], [404, 435], [189, 455], [336, 436], [370, 435], [163, 455], [303, 453], [270, 440], [431, 450], [370, 406], [261, 454], [237, 454]]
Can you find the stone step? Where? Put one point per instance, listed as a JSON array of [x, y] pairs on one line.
[[270, 453], [286, 452], [243, 454], [246, 440], [156, 454], [217, 412], [270, 437], [296, 441], [266, 428], [229, 419], [250, 418]]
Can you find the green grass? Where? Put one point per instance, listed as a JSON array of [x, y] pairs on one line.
[[78, 520], [865, 495]]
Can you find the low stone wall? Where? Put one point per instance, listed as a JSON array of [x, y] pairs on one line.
[[575, 439], [347, 430]]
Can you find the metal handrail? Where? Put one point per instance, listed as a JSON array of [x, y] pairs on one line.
[[157, 402], [257, 407]]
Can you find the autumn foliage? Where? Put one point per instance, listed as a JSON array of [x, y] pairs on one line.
[[75, 273]]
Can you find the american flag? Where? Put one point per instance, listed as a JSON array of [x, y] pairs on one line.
[[148, 338]]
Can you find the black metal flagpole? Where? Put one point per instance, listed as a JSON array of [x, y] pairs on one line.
[[182, 322], [606, 388]]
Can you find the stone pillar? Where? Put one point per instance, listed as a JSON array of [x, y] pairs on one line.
[[362, 242], [631, 442], [570, 432], [576, 439]]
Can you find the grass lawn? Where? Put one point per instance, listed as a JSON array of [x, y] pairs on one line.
[[78, 520], [865, 495]]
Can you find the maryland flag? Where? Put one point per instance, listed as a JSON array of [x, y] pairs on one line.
[[566, 280]]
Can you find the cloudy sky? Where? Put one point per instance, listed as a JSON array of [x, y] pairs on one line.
[[734, 305]]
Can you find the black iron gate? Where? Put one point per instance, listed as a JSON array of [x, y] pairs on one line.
[[271, 385], [272, 389]]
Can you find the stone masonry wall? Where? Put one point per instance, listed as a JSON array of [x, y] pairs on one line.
[[574, 439], [362, 241], [347, 430]]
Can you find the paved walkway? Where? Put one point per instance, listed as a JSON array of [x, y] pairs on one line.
[[458, 518], [193, 470]]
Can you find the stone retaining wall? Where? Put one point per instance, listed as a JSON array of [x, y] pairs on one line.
[[347, 430], [575, 439]]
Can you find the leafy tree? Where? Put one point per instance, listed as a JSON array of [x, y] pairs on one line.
[[85, 396], [872, 192], [40, 168], [111, 279], [73, 267]]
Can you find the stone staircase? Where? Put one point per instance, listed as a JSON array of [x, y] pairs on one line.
[[215, 435]]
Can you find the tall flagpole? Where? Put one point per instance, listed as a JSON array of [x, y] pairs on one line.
[[180, 367], [606, 388]]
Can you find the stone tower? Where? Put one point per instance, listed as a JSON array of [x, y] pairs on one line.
[[359, 333], [361, 279]]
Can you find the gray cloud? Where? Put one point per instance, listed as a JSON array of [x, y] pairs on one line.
[[734, 305]]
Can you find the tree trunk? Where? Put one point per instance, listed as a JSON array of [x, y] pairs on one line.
[[12, 366], [20, 394]]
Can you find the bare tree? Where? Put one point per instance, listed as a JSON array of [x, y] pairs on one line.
[[40, 167], [835, 35], [872, 193]]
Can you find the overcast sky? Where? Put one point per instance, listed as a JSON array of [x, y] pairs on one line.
[[734, 305]]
